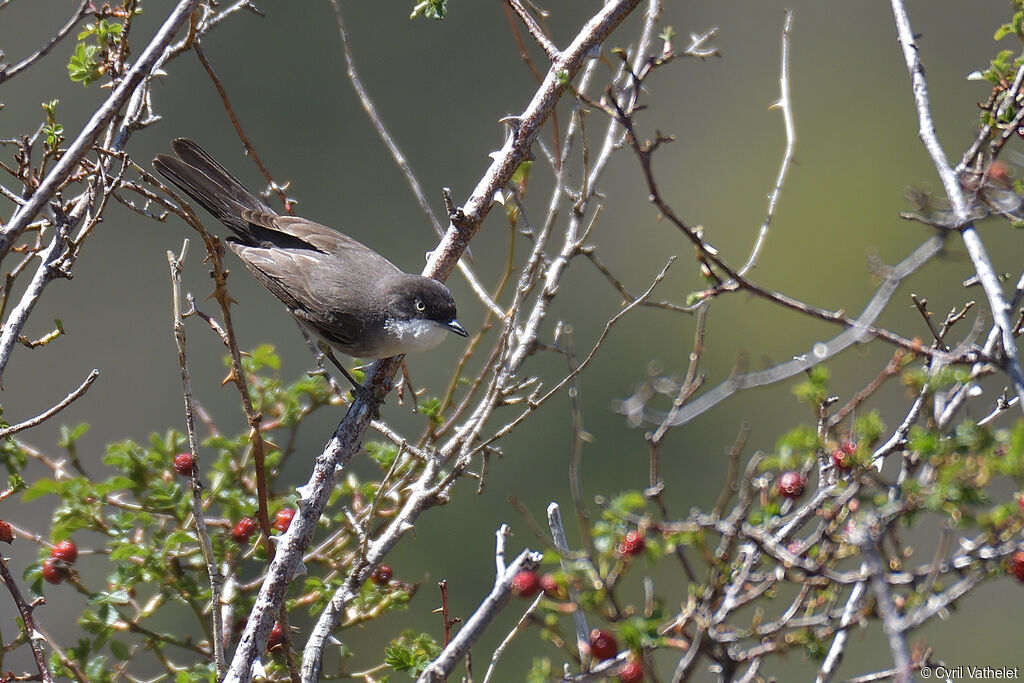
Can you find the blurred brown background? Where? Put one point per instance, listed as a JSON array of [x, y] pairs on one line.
[[441, 87]]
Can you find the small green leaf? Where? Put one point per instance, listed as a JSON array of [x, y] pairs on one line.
[[83, 67], [39, 489], [383, 454], [430, 9], [120, 650], [69, 435], [431, 407]]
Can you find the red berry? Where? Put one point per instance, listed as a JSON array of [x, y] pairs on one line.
[[276, 638], [1020, 501], [53, 571], [632, 544], [6, 533], [791, 484], [1017, 565], [243, 529], [999, 174], [283, 519], [65, 550], [602, 644], [526, 584], [382, 575], [183, 464], [632, 672], [842, 457]]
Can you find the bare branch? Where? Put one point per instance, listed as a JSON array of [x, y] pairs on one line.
[[473, 628], [205, 543], [534, 29], [954, 192], [43, 417], [31, 630], [92, 130], [12, 71], [786, 105]]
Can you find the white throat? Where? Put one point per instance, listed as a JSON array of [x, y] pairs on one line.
[[411, 336]]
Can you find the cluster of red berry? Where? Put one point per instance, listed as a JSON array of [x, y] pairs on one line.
[[246, 527], [57, 565], [842, 457], [603, 646]]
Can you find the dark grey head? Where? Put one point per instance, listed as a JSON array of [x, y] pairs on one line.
[[420, 311]]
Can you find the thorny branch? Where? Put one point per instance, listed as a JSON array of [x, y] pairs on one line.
[[28, 620], [954, 192], [473, 627], [11, 71], [746, 560], [46, 415], [339, 450], [755, 560], [198, 516]]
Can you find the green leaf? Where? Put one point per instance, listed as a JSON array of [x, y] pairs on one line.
[[382, 453], [83, 67], [115, 597], [124, 552], [411, 652], [431, 407], [263, 357], [541, 671], [120, 650], [69, 435], [39, 489], [430, 9], [180, 537], [521, 176], [16, 483]]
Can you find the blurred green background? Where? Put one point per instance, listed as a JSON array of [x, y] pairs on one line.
[[441, 87]]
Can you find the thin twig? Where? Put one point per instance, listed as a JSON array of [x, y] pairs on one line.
[[92, 130], [249, 149], [445, 663], [535, 30], [43, 417], [79, 13], [205, 543], [786, 105], [561, 542], [31, 629]]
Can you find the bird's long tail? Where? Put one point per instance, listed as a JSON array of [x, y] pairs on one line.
[[199, 176]]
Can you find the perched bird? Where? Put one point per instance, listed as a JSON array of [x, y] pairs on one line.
[[340, 290]]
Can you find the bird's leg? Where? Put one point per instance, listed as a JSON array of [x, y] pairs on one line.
[[358, 389], [321, 350], [407, 382]]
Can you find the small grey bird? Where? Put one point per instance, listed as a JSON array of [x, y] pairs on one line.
[[340, 290]]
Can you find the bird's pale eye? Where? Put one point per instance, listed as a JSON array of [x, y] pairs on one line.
[[420, 306]]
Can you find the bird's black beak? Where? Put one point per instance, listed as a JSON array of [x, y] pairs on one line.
[[455, 326]]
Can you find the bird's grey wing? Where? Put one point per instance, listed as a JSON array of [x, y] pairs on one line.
[[306, 282], [296, 232]]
